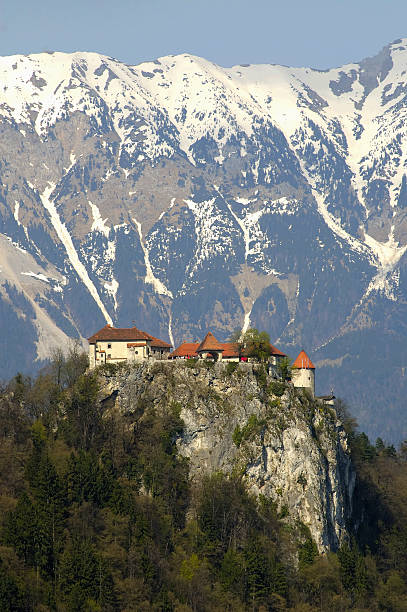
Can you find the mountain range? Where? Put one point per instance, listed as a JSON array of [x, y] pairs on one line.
[[181, 196]]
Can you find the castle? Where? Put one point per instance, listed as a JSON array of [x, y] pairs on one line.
[[130, 344]]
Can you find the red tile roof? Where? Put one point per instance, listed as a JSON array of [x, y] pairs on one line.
[[303, 362], [186, 349], [230, 349], [209, 343], [126, 333], [118, 333], [275, 351], [157, 343]]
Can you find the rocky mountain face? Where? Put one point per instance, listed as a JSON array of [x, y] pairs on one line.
[[285, 445], [185, 196]]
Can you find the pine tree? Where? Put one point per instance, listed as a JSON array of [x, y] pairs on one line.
[[11, 599]]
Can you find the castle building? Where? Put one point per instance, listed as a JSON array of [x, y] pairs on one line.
[[210, 348], [116, 345], [303, 372]]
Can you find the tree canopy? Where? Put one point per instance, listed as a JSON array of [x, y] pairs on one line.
[[96, 514]]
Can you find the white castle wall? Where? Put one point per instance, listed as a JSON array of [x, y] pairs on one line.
[[302, 377]]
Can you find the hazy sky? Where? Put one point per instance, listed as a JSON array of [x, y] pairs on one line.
[[317, 33]]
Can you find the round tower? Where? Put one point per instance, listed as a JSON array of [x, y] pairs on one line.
[[303, 372]]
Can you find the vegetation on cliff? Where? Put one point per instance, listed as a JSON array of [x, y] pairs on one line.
[[98, 513]]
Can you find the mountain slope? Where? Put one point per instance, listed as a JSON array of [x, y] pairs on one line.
[[183, 195]]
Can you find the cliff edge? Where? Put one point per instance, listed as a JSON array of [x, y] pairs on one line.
[[285, 444]]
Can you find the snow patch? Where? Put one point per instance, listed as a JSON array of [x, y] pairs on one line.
[[112, 288], [169, 208], [66, 240], [16, 210], [99, 224], [171, 337], [246, 321], [72, 160], [244, 201], [159, 287], [39, 276], [387, 255]]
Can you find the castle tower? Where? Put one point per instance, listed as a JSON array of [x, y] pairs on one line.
[[303, 372], [210, 347]]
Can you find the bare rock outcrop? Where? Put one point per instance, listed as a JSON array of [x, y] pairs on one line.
[[285, 444]]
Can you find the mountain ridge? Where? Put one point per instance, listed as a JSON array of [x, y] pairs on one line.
[[190, 196]]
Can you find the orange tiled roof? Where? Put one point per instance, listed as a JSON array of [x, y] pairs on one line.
[[230, 349], [186, 349], [275, 351], [157, 343], [303, 361], [209, 343], [126, 333], [118, 333]]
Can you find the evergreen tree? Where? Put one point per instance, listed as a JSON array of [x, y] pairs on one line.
[[84, 578], [11, 599]]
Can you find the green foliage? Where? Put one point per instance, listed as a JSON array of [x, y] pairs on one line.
[[83, 426], [110, 369], [163, 472], [191, 363], [307, 549], [232, 571], [84, 579], [11, 598], [265, 575], [225, 512], [361, 447], [276, 388], [257, 344], [353, 571], [98, 512], [284, 367], [88, 479], [261, 375], [231, 367], [253, 426]]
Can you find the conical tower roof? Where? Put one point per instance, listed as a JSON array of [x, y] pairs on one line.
[[209, 343], [303, 362]]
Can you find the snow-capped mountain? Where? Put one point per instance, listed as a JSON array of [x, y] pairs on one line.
[[185, 196]]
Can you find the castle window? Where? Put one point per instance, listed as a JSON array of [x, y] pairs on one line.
[[136, 352], [109, 346]]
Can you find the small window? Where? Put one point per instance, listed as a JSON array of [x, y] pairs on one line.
[[136, 352], [109, 346], [109, 356]]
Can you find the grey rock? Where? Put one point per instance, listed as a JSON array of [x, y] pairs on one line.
[[295, 452]]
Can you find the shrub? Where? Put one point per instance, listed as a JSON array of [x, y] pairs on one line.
[[191, 363], [109, 369], [261, 375], [252, 427], [231, 367], [276, 388]]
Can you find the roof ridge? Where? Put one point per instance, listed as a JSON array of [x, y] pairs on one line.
[[209, 343], [303, 361]]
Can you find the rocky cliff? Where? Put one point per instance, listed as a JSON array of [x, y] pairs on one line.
[[238, 419]]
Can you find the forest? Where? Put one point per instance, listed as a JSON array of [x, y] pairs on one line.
[[96, 515]]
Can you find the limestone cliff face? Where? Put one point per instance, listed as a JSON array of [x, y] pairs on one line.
[[286, 445]]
